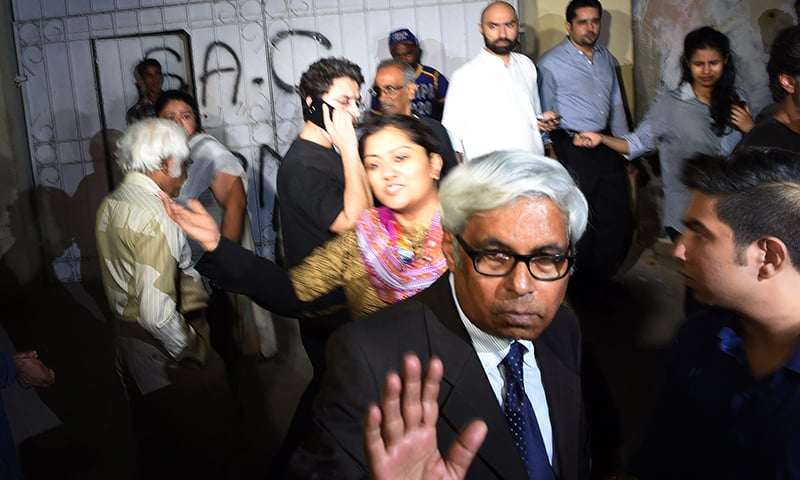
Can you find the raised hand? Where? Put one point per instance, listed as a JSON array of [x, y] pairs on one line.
[[197, 222], [340, 125], [400, 436]]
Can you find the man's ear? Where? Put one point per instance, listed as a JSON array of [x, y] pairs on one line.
[[308, 101], [166, 165], [447, 250], [787, 83], [774, 257], [436, 165]]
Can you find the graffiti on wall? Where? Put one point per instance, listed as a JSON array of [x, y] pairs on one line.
[[285, 34]]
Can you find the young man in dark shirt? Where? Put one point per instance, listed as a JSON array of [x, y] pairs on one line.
[[322, 188]]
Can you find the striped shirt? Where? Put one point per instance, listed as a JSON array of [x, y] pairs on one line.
[[144, 256]]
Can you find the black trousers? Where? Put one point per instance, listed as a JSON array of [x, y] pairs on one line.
[[601, 174]]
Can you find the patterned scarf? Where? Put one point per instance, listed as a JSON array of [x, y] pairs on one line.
[[388, 256]]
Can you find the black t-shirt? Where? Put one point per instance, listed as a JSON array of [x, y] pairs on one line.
[[311, 195], [771, 133], [448, 156]]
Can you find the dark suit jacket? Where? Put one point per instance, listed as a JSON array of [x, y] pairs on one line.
[[360, 354]]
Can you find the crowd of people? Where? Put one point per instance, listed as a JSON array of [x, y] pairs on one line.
[[403, 228]]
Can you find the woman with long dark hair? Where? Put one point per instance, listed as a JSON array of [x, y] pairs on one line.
[[706, 114]]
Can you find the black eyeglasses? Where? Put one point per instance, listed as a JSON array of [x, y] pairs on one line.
[[496, 263], [390, 90]]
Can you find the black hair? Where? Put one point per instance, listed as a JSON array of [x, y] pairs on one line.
[[784, 59], [758, 190], [317, 80], [147, 62], [184, 97], [724, 92], [574, 5], [417, 131]]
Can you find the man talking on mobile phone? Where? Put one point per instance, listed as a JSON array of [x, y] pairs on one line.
[[322, 187]]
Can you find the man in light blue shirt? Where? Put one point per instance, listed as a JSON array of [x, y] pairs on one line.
[[579, 82]]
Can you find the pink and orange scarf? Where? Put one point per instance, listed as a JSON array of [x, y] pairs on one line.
[[388, 255]]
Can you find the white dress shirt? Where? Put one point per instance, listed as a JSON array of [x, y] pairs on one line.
[[491, 106], [491, 351]]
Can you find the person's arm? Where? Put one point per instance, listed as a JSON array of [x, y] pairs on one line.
[[593, 139], [635, 144], [452, 116], [238, 270], [357, 194], [326, 267], [229, 192], [233, 267], [618, 120], [548, 88], [400, 435], [441, 96]]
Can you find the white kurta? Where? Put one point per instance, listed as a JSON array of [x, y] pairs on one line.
[[491, 106]]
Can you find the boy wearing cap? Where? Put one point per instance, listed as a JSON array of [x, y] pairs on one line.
[[431, 84]]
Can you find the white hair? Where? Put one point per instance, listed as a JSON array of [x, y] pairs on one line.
[[147, 144], [498, 178]]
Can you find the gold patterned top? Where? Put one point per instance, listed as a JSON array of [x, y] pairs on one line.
[[338, 263]]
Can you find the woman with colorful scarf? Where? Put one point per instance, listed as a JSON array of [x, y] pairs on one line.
[[393, 252]]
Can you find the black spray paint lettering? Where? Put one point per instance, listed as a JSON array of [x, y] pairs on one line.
[[178, 59], [284, 34], [208, 73]]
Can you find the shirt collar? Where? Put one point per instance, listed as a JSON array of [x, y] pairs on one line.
[[491, 57], [575, 51], [686, 92], [484, 342], [139, 178], [732, 344]]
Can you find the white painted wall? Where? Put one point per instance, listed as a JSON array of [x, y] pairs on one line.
[[243, 105]]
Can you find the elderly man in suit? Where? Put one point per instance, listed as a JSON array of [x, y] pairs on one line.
[[511, 352]]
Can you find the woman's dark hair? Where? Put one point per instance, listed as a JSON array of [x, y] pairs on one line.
[[724, 93], [184, 97], [417, 131]]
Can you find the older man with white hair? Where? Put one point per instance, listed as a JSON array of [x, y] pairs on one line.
[[174, 381], [494, 322]]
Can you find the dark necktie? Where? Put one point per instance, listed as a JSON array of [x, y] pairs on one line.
[[522, 419]]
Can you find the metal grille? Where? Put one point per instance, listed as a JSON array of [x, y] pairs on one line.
[[245, 57]]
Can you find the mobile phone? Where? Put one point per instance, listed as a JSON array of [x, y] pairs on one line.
[[314, 112]]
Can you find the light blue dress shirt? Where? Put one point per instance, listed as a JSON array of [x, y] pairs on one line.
[[585, 93]]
